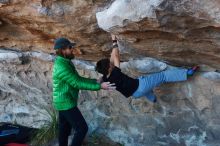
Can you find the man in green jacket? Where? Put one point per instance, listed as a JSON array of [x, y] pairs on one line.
[[66, 85]]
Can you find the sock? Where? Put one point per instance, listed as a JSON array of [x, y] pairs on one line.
[[192, 70]]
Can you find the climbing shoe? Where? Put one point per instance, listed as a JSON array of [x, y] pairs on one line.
[[192, 70]]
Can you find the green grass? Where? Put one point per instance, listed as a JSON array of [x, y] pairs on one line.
[[94, 139], [47, 132]]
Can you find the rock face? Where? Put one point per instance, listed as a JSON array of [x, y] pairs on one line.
[[187, 113], [25, 88], [178, 31], [183, 32], [153, 35]]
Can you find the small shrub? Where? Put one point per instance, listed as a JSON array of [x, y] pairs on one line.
[[47, 132]]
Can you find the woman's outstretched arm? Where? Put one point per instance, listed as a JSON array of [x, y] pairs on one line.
[[115, 56]]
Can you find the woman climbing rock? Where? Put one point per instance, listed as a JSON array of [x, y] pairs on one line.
[[142, 86]]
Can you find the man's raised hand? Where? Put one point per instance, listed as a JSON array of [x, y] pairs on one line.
[[113, 37]]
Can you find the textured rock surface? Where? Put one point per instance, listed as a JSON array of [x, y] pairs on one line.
[[183, 32], [176, 32], [33, 25], [25, 89], [187, 113]]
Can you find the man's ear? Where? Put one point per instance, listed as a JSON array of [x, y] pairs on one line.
[[62, 51], [77, 51]]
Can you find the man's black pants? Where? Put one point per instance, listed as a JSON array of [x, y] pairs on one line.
[[69, 119]]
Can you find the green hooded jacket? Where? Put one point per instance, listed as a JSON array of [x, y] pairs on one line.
[[67, 83]]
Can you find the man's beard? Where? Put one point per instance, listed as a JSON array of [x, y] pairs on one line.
[[70, 56]]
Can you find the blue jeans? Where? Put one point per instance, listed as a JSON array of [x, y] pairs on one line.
[[149, 82]]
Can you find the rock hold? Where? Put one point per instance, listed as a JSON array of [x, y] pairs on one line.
[[132, 10]]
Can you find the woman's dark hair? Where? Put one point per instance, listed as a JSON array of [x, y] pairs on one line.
[[102, 66]]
